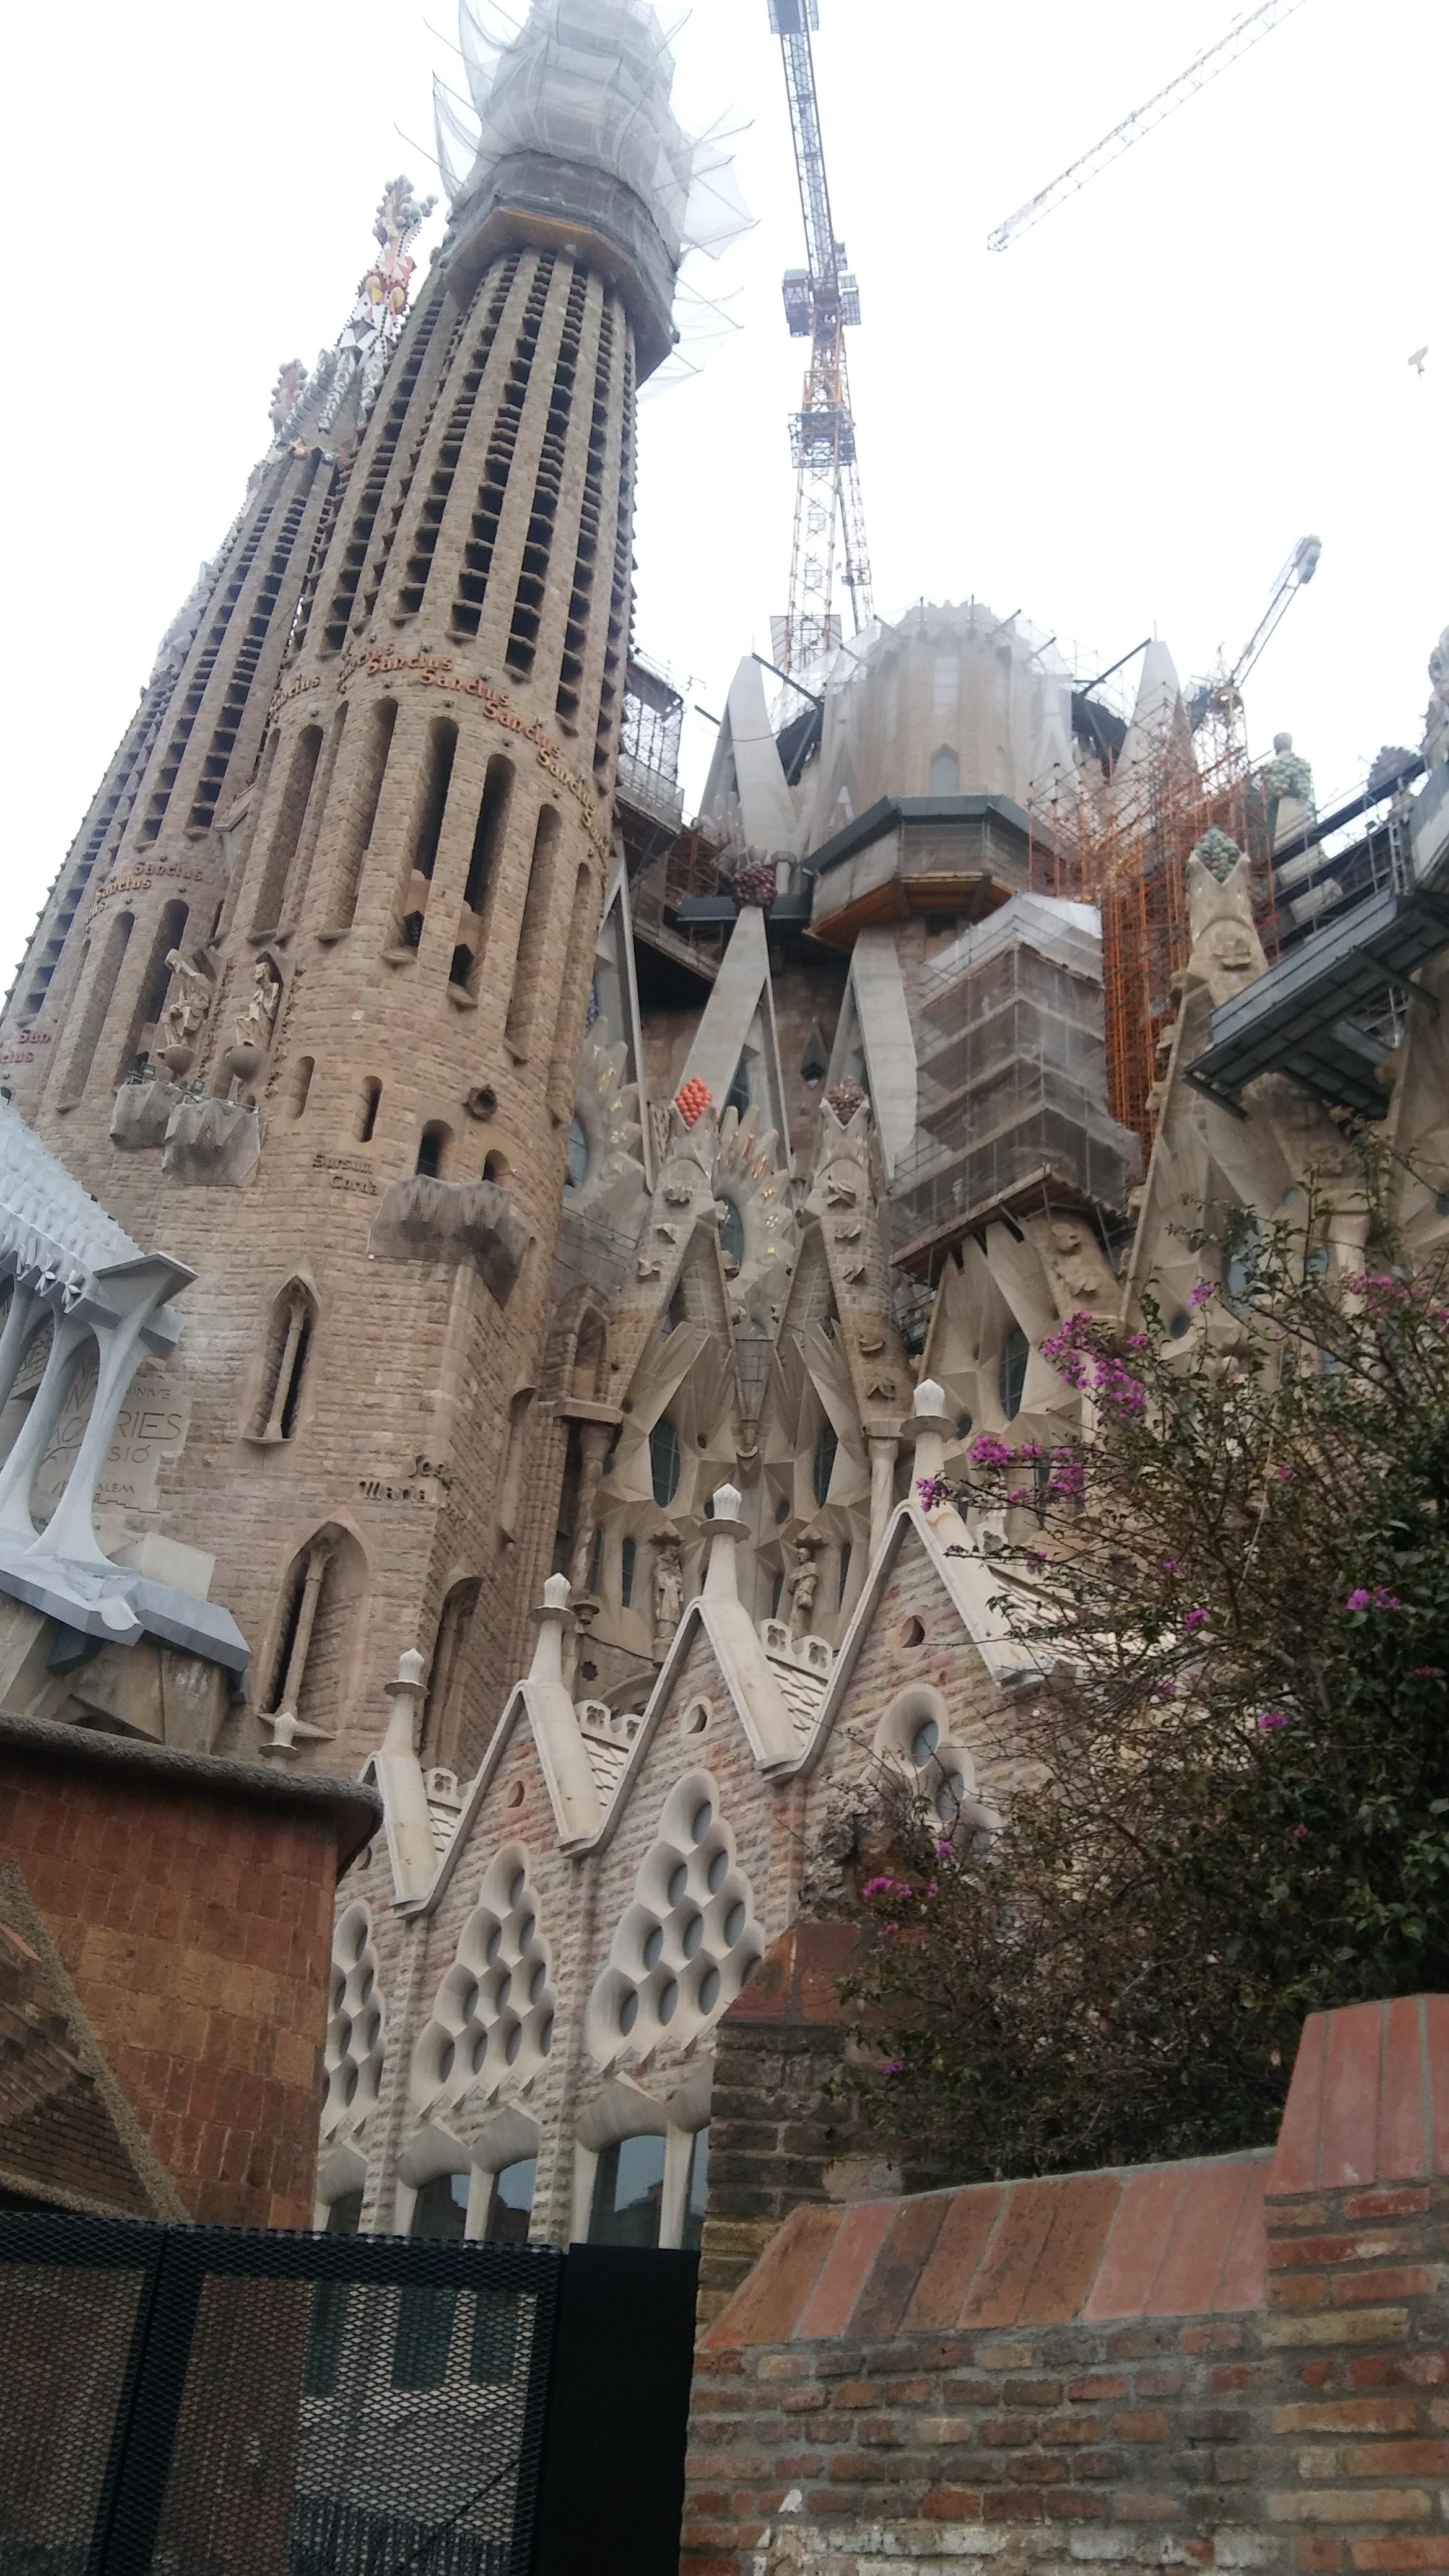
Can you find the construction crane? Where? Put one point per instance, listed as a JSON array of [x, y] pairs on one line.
[[1243, 34], [1219, 695], [822, 302]]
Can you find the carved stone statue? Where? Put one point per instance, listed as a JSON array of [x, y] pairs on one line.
[[185, 1014], [803, 1582], [668, 1589], [244, 1059]]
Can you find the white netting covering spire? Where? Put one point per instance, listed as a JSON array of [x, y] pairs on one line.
[[586, 81]]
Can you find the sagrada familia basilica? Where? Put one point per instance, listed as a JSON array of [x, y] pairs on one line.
[[490, 1261]]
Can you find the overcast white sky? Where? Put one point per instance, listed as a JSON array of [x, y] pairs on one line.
[[1121, 424]]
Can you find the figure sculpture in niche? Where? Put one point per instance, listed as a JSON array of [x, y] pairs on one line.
[[804, 1578], [668, 1587], [1225, 952], [184, 1017], [243, 1061]]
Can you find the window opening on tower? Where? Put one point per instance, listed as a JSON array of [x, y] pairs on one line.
[[287, 830], [586, 553], [98, 1004], [290, 1327], [482, 536], [529, 591], [529, 962], [621, 590], [222, 605], [445, 463], [168, 934], [367, 1110], [433, 1151], [361, 814], [380, 460]]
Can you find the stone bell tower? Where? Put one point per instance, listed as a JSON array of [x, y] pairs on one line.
[[350, 1083]]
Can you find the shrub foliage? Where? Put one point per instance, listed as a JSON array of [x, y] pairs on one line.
[[1235, 1586]]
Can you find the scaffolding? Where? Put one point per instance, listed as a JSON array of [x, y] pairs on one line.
[[1118, 833], [1010, 1082]]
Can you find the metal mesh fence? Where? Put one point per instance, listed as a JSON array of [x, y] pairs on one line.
[[215, 2402]]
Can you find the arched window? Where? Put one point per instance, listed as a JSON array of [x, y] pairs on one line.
[[497, 1169], [367, 1110], [1011, 1372], [302, 1073], [97, 1004], [578, 1159], [664, 1460], [287, 829], [823, 1464], [319, 1632], [488, 831], [529, 962], [732, 1232], [442, 1708], [290, 1327], [945, 773], [589, 1375], [433, 1151], [150, 1001], [360, 815]]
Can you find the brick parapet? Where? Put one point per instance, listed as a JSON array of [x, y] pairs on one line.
[[1238, 2363]]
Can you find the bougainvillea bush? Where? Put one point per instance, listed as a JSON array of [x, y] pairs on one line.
[[1235, 1586]]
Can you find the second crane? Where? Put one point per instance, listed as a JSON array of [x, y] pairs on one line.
[[822, 300]]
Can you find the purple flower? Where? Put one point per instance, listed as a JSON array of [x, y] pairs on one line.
[[1137, 1341], [988, 1451], [1268, 1718], [1195, 1618], [1358, 1600], [943, 1852], [1426, 1672], [1170, 1564], [933, 1491], [1386, 1600], [1298, 1834], [894, 2066], [1020, 1494], [877, 1886], [1164, 1689], [1201, 1292], [1282, 1475], [1378, 1599]]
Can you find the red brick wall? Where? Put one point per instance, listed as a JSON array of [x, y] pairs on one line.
[[196, 1926], [1242, 2362]]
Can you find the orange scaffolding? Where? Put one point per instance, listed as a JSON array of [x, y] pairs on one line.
[[1118, 834]]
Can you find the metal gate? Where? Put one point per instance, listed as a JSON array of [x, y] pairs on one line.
[[215, 2401]]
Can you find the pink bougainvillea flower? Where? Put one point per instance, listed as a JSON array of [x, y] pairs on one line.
[[1358, 1600], [943, 1852], [894, 2066], [1195, 1618], [1268, 1718], [933, 1491], [1298, 1834], [1426, 1672], [1283, 1475], [988, 1451], [1201, 1292]]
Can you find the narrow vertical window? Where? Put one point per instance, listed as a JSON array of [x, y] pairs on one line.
[[169, 932], [427, 828], [433, 1151], [367, 1110], [442, 1707], [97, 1003], [528, 965], [284, 1367], [301, 1084], [361, 814], [287, 829], [488, 831], [583, 930]]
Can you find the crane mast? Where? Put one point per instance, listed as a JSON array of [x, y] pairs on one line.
[[822, 302]]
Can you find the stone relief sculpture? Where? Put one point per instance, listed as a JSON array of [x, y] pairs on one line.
[[668, 1593], [255, 1022], [184, 1016], [803, 1580]]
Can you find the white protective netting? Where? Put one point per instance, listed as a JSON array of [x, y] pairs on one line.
[[586, 81]]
